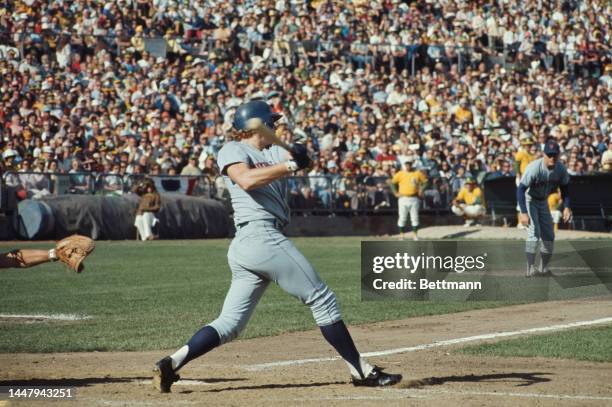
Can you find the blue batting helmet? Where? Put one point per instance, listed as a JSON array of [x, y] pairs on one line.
[[254, 109], [551, 148]]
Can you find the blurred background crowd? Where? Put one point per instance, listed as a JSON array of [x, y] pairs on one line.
[[125, 88]]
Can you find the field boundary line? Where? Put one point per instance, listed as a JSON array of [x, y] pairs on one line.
[[52, 317], [494, 335], [411, 392]]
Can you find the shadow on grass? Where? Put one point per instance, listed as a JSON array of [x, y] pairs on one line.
[[522, 379]]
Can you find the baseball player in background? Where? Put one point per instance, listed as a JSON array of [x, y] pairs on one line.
[[411, 183], [542, 176], [469, 202], [525, 154], [554, 206], [255, 172]]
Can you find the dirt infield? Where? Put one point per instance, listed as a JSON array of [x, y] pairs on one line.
[[496, 232], [234, 374]]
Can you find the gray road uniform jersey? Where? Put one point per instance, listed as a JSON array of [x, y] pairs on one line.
[[267, 202], [540, 183], [260, 253]]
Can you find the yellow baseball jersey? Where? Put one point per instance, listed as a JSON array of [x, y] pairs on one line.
[[470, 198], [554, 201], [524, 158], [409, 182]]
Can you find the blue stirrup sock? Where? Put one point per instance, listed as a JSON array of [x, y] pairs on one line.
[[530, 258], [203, 341], [339, 337]]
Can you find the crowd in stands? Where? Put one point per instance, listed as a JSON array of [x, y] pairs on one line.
[[132, 87]]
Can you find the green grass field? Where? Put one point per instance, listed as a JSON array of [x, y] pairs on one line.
[[592, 344], [155, 295]]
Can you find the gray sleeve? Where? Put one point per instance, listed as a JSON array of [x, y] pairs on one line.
[[231, 153], [565, 177], [529, 175], [279, 154]]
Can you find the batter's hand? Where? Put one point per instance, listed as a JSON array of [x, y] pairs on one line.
[[524, 219], [567, 215], [299, 152]]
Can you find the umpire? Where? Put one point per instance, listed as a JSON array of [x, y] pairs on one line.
[[541, 177]]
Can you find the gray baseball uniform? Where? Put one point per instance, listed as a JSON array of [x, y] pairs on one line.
[[540, 182], [260, 253]]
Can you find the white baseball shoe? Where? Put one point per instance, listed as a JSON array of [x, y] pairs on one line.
[[531, 271]]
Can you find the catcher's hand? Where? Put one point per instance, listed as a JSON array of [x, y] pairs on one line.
[[299, 152], [73, 250]]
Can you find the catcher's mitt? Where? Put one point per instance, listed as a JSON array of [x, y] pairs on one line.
[[73, 250]]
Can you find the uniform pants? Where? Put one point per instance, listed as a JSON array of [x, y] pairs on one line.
[[408, 205], [258, 255], [469, 211], [540, 227]]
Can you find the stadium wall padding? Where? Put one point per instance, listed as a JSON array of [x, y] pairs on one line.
[[363, 225], [112, 217]]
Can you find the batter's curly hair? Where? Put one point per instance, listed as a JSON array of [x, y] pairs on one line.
[[241, 134]]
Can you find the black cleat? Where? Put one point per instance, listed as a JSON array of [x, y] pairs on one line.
[[377, 378], [164, 375], [545, 273]]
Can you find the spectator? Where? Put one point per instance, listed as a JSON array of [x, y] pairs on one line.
[[79, 181], [365, 77], [504, 170], [606, 159], [150, 204], [191, 168]]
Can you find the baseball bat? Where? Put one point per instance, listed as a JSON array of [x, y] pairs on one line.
[[267, 132]]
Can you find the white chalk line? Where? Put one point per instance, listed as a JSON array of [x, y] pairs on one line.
[[271, 365], [412, 392], [93, 401], [52, 317], [348, 398], [184, 382]]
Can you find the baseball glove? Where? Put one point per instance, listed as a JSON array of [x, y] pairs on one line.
[[73, 250]]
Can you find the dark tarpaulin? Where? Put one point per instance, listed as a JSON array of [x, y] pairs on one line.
[[112, 217]]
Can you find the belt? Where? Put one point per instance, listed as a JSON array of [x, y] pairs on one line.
[[277, 224]]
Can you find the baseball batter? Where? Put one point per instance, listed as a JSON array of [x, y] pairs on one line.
[[411, 184], [541, 177], [255, 172]]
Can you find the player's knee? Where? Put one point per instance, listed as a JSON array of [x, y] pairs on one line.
[[229, 327], [324, 307]]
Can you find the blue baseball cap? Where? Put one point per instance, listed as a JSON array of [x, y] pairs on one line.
[[551, 148]]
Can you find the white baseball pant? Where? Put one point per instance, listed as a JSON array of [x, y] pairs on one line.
[[408, 205]]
